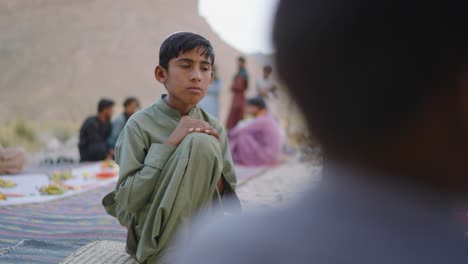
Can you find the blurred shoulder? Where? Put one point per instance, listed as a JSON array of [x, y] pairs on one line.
[[268, 237], [144, 115], [90, 121]]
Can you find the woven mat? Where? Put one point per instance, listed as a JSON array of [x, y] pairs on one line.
[[49, 232], [100, 252]]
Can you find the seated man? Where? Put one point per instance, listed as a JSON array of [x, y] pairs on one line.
[[95, 132], [174, 158], [12, 160], [131, 105], [384, 88], [256, 142]]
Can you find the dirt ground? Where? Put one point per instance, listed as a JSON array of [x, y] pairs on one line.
[[279, 186]]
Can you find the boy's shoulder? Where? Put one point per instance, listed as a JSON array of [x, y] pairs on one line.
[[141, 117]]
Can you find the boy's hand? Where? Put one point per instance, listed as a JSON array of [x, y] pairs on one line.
[[186, 126]]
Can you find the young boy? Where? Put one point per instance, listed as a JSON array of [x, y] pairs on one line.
[[174, 157]]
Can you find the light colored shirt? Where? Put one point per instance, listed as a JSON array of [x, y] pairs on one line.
[[265, 86], [350, 218], [117, 126]]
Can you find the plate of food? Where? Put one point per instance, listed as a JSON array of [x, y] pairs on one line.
[[107, 174], [7, 183]]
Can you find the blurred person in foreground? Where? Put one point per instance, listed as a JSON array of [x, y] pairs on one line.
[[238, 88], [256, 142], [210, 103], [174, 157], [131, 106], [384, 87], [12, 160], [95, 133], [266, 88]]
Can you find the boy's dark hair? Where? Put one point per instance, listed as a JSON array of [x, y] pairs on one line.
[[241, 59], [267, 68], [129, 100], [104, 103], [258, 102], [361, 68], [182, 42]]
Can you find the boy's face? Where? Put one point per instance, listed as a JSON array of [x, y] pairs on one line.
[[187, 77]]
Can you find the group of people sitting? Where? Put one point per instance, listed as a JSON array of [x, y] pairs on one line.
[[255, 141], [98, 135]]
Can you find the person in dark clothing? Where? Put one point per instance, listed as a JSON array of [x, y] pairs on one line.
[[95, 132]]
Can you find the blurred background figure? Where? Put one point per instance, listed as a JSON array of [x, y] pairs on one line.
[[95, 133], [12, 160], [266, 88], [256, 142], [384, 88], [238, 88], [131, 105], [210, 102]]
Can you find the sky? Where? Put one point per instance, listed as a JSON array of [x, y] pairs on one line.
[[244, 24]]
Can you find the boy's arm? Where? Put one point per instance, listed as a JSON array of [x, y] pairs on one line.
[[229, 172], [139, 168]]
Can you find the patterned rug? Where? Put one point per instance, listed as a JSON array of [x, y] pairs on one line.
[[49, 232]]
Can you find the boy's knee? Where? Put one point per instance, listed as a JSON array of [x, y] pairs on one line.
[[203, 144]]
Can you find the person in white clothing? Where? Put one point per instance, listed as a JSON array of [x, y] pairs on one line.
[[266, 88]]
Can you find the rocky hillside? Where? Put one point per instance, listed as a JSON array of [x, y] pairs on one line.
[[57, 58]]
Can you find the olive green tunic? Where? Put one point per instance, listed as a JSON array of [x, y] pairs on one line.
[[160, 186]]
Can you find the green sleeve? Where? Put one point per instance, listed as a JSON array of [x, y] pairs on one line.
[[140, 167]]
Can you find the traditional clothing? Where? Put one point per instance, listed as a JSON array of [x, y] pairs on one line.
[[257, 142], [210, 103], [238, 88], [93, 143], [160, 186], [117, 126]]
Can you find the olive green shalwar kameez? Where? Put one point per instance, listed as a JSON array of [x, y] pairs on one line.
[[160, 186]]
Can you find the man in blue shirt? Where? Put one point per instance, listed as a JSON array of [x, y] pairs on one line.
[[131, 106]]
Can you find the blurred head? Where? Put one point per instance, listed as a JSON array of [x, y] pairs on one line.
[[106, 108], [267, 71], [381, 82], [185, 67], [241, 62], [131, 105], [255, 106]]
